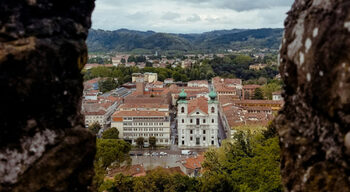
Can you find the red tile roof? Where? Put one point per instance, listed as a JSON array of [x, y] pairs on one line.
[[140, 113], [143, 105], [101, 112], [194, 162], [134, 170], [198, 103]]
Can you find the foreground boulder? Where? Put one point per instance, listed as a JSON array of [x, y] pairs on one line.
[[314, 125], [43, 143]]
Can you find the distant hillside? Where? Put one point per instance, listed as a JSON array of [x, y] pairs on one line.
[[124, 40]]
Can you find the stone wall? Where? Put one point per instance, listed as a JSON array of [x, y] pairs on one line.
[[314, 125], [43, 144]]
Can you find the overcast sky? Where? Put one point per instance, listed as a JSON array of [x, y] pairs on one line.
[[189, 16]]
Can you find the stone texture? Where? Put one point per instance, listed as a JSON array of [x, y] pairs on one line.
[[315, 66], [43, 144]]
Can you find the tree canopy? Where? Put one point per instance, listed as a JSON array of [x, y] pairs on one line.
[[140, 142], [152, 141], [111, 133], [95, 127], [249, 162]]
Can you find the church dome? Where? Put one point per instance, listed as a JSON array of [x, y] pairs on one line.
[[182, 95], [212, 95]]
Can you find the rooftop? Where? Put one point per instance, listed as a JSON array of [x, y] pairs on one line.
[[198, 103]]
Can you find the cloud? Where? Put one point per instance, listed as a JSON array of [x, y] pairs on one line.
[[193, 18], [138, 15], [239, 5], [189, 16], [170, 16]]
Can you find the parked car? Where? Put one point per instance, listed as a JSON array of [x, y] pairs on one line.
[[146, 154], [185, 152], [154, 154], [163, 153]]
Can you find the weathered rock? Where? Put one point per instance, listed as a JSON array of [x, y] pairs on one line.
[[315, 66], [43, 144]]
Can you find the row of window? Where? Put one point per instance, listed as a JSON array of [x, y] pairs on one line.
[[143, 134], [143, 129], [157, 141], [141, 124], [92, 121], [192, 131], [93, 117], [197, 142], [212, 110], [145, 118], [197, 121]]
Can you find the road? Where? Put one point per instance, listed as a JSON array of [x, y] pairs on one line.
[[221, 134]]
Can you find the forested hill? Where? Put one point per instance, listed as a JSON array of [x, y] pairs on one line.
[[124, 40]]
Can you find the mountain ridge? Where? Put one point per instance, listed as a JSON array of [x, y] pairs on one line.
[[125, 40]]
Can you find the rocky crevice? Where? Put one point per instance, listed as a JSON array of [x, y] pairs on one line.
[[315, 66], [43, 143]]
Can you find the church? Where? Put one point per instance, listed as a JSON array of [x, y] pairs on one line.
[[197, 121]]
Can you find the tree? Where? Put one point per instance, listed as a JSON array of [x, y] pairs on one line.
[[258, 94], [269, 88], [152, 141], [109, 151], [123, 61], [246, 163], [262, 80], [112, 150], [111, 133], [95, 127], [107, 85], [271, 131], [140, 142]]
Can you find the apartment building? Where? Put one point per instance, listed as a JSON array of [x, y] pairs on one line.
[[143, 120]]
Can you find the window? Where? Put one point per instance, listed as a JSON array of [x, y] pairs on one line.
[[197, 121], [183, 142], [182, 109], [191, 131], [203, 131], [191, 138], [183, 120], [183, 131], [212, 109], [191, 121], [203, 138], [197, 113], [203, 120], [212, 120]]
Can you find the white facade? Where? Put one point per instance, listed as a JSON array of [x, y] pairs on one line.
[[92, 118], [277, 97], [134, 124], [148, 77], [197, 128], [198, 84]]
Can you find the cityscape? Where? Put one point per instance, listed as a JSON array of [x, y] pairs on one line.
[[172, 123], [175, 96]]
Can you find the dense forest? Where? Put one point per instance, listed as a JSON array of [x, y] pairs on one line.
[[124, 40]]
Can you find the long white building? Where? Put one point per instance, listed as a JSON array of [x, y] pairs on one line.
[[143, 120], [197, 121]]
